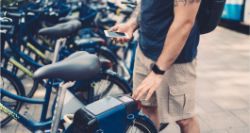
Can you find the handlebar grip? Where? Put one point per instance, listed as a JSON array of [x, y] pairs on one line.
[[129, 3], [131, 6], [127, 12]]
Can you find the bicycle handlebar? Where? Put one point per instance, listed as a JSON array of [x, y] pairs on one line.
[[129, 3]]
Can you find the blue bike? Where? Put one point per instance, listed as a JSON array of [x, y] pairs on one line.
[[108, 115], [83, 67]]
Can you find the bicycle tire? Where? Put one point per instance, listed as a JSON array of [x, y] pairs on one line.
[[143, 124], [116, 82], [18, 86], [31, 89], [23, 76]]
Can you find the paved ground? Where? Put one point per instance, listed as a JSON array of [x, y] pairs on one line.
[[223, 87]]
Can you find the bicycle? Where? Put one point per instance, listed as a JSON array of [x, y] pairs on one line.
[[110, 79], [99, 112], [92, 92]]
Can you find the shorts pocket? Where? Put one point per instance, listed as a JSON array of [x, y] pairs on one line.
[[177, 101], [189, 107]]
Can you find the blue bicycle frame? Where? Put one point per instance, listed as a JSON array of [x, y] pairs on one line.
[[44, 122]]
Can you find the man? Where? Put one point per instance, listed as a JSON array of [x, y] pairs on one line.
[[164, 72]]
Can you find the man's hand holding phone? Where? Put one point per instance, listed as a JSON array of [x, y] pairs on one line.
[[125, 28]]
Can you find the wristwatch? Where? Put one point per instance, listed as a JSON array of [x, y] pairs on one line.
[[157, 70]]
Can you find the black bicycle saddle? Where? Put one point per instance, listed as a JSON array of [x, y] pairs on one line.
[[78, 66], [89, 41], [68, 18], [62, 29]]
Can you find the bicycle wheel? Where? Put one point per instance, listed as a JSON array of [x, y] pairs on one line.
[[29, 83], [141, 125], [107, 84], [12, 84]]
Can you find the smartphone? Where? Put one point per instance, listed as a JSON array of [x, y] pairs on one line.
[[112, 34]]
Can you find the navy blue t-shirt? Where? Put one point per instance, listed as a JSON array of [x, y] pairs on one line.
[[155, 20]]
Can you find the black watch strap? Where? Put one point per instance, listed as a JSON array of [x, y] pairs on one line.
[[157, 70]]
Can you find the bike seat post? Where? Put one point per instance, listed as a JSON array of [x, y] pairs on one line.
[[59, 43], [59, 105]]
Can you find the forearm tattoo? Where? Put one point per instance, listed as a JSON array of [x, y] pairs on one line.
[[185, 2]]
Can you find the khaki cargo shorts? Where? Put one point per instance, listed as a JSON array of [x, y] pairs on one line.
[[175, 98]]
